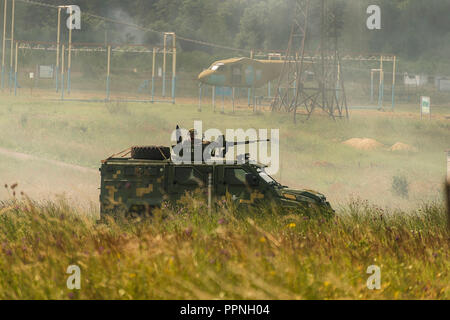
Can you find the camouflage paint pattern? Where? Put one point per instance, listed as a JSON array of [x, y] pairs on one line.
[[137, 185]]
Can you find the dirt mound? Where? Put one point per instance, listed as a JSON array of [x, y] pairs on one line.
[[363, 144], [399, 146]]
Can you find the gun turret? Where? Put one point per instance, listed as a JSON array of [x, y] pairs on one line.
[[219, 144], [229, 144]]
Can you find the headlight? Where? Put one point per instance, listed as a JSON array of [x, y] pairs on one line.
[[289, 196]]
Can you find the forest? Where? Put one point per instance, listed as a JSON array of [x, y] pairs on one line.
[[415, 30]]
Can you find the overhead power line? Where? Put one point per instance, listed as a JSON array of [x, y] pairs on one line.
[[138, 27]]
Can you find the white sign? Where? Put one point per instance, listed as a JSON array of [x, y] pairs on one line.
[[31, 75], [45, 72], [425, 105], [444, 85]]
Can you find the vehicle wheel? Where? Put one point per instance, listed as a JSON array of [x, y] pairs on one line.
[[150, 152]]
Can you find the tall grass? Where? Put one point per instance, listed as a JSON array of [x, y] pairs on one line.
[[183, 252]]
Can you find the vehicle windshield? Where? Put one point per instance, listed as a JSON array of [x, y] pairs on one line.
[[266, 177], [217, 66]]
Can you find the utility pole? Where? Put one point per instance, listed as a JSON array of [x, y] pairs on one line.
[[326, 91], [69, 55], [4, 43], [58, 38], [69, 49], [12, 45]]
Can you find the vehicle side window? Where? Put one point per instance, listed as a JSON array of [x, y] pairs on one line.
[[236, 75], [218, 67], [235, 176], [188, 176]]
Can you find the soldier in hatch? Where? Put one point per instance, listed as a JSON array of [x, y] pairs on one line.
[[198, 142]]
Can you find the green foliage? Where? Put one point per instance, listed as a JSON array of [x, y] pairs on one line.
[[415, 30], [185, 253], [400, 186]]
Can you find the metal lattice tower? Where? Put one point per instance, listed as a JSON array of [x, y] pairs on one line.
[[312, 82]]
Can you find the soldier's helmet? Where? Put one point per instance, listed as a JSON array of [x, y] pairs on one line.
[[192, 133]]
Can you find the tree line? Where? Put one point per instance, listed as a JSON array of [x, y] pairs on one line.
[[417, 31]]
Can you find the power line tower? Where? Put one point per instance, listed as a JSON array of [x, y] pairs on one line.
[[311, 82]]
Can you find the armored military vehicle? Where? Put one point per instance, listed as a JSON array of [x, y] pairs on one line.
[[142, 178]]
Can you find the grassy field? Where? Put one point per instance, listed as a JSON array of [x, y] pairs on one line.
[[188, 254], [53, 151], [311, 153]]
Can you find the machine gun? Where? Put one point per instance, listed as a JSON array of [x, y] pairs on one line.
[[226, 145], [220, 143]]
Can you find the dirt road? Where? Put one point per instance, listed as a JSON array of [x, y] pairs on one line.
[[42, 178]]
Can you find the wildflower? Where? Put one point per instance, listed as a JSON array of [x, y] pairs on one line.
[[101, 249], [221, 221], [291, 225], [225, 253], [262, 239], [132, 275], [188, 231], [71, 295]]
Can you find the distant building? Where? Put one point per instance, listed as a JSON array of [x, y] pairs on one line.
[[415, 80], [442, 83]]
